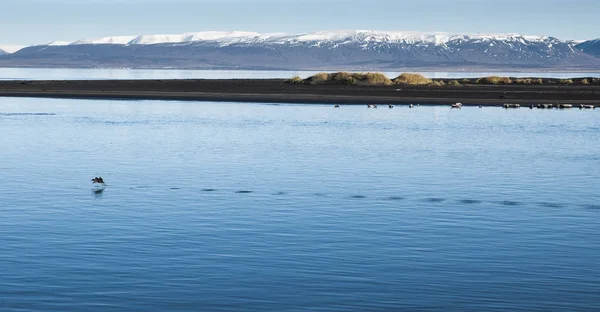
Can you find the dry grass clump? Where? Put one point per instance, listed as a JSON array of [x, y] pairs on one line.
[[566, 81], [319, 78], [346, 78], [412, 79], [494, 80], [528, 81], [369, 78], [523, 81], [343, 78], [373, 78], [376, 78], [295, 80]]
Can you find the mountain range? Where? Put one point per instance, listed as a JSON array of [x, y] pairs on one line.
[[345, 50]]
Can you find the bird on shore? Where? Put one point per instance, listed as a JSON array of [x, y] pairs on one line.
[[410, 106], [98, 180], [336, 105], [390, 106]]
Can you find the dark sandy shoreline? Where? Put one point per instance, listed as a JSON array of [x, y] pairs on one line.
[[278, 91]]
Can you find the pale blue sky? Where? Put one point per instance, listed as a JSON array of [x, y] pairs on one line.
[[26, 22]]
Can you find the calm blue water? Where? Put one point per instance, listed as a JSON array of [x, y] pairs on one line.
[[95, 73], [231, 207]]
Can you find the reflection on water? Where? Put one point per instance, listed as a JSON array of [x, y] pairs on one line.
[[510, 203], [98, 192], [395, 198], [435, 200], [296, 207], [27, 114], [470, 201], [552, 205]]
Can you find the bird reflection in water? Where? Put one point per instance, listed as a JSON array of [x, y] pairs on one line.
[[98, 192]]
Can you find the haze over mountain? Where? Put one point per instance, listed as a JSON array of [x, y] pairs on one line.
[[347, 50]]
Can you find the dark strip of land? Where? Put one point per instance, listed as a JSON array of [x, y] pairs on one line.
[[279, 91]]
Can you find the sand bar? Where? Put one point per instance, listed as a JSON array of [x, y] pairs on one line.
[[278, 91]]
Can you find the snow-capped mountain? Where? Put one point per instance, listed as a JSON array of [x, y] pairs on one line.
[[318, 38], [361, 49], [590, 47]]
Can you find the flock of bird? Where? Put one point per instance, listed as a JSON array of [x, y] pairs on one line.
[[457, 105], [550, 106], [508, 105]]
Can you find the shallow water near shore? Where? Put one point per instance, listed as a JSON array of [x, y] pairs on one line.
[[230, 206]]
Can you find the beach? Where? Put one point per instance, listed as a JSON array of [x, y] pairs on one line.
[[280, 91]]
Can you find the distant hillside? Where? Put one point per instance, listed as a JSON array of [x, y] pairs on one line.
[[591, 47], [353, 50]]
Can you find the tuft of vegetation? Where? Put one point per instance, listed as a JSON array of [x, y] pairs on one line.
[[346, 78], [373, 78], [376, 78], [412, 79], [343, 78], [537, 81], [494, 80], [523, 81], [528, 81], [566, 81], [319, 78], [295, 80]]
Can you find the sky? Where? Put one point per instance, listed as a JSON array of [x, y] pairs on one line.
[[28, 22]]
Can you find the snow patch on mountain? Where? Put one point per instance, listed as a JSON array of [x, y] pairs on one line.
[[155, 39], [220, 35], [106, 40], [9, 49], [370, 36], [59, 43], [316, 38]]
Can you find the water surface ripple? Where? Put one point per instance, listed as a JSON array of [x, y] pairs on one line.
[[237, 207]]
